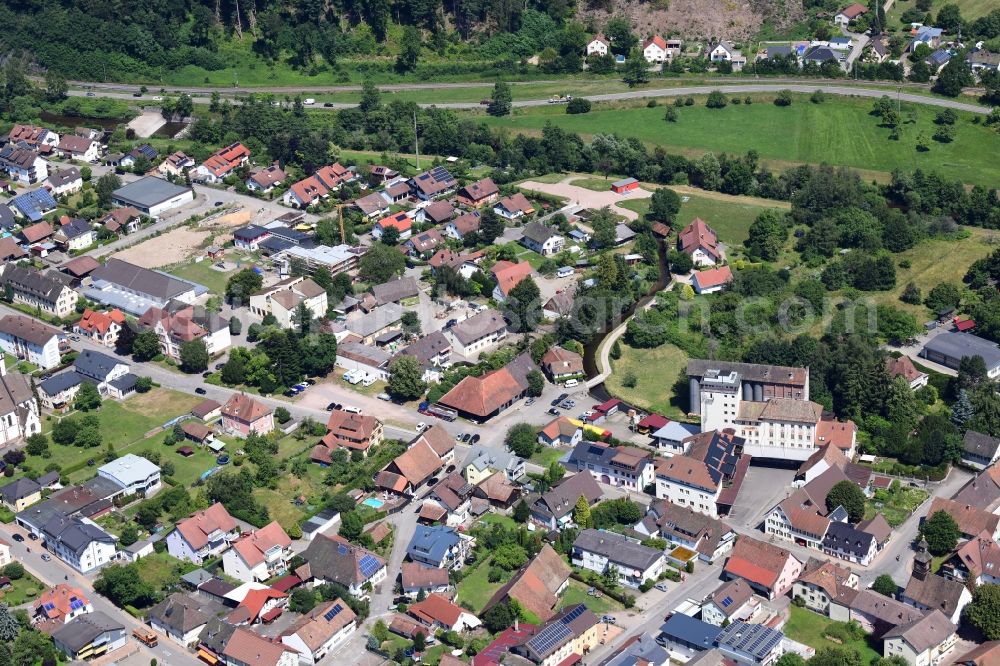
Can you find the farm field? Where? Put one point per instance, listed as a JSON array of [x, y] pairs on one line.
[[839, 131]]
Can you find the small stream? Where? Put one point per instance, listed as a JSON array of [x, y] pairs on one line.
[[590, 349]]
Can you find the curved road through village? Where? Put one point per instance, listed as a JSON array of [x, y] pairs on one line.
[[843, 88]]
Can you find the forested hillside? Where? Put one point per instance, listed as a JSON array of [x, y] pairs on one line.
[[120, 40]]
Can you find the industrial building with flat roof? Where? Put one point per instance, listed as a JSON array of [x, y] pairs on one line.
[[152, 196]]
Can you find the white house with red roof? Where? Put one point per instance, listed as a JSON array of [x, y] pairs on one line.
[[260, 555], [222, 163], [770, 570], [320, 630], [711, 280], [266, 179], [203, 535], [101, 327], [508, 275], [401, 222], [654, 49], [599, 45], [700, 242]]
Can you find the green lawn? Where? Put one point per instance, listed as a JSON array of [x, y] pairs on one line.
[[597, 184], [656, 370], [476, 589], [730, 220], [807, 627], [532, 257], [188, 469], [576, 593], [124, 425], [547, 456], [839, 131], [497, 519], [162, 570], [22, 590], [203, 273]]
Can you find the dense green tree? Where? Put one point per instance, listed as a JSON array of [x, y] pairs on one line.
[[509, 556], [767, 236], [194, 356], [522, 439], [409, 50], [380, 264], [87, 397], [501, 101], [523, 306], [105, 187], [123, 586], [885, 586], [581, 514], [241, 285], [406, 378], [303, 600], [8, 625], [941, 533], [351, 526], [984, 610], [664, 205], [953, 77], [521, 512], [635, 71], [536, 383], [848, 495], [500, 617]]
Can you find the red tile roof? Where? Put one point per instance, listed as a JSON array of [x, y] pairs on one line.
[[253, 649], [100, 322], [838, 433], [400, 221], [698, 234], [436, 608], [757, 561], [196, 529], [244, 408], [252, 548], [224, 160], [508, 275], [713, 277], [484, 395]]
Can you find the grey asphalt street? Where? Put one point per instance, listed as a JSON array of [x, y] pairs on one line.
[[843, 88]]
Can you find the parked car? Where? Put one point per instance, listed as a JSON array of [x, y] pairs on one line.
[[562, 396], [32, 536], [206, 374], [421, 426], [332, 406], [607, 619], [384, 396], [553, 411], [529, 401], [46, 557], [18, 538], [466, 437], [662, 587], [200, 391], [475, 438], [218, 203]]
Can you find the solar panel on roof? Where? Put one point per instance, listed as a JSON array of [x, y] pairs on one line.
[[333, 612], [369, 564], [342, 549], [549, 637], [75, 604], [727, 602], [573, 614], [48, 606]]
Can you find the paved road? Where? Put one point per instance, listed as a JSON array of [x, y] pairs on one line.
[[840, 88]]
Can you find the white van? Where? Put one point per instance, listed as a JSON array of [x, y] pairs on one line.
[[368, 380], [352, 410], [570, 383], [564, 271], [309, 101]]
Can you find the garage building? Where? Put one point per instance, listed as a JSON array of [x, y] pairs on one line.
[[950, 348], [152, 196]]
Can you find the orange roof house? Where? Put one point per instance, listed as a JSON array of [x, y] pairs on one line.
[[508, 275], [713, 279], [700, 241], [769, 569], [400, 221]]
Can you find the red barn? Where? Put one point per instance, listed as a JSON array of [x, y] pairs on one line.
[[624, 185]]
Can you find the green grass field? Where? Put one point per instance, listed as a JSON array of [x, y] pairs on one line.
[[203, 273], [162, 570], [807, 627], [576, 593], [839, 131], [927, 268], [123, 425], [476, 589], [730, 220], [656, 371], [547, 456]]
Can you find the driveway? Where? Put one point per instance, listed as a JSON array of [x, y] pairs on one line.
[[913, 350], [581, 196]]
